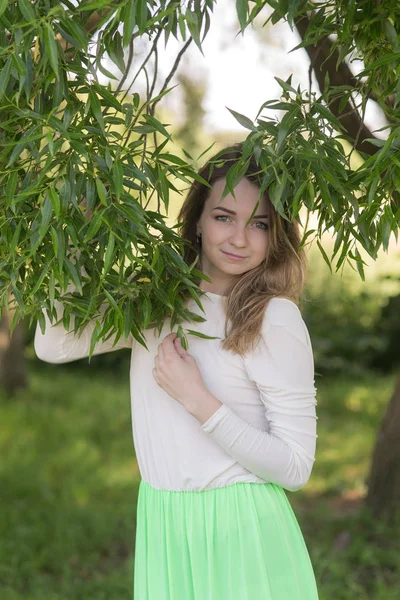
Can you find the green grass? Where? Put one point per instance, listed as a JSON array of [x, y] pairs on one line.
[[354, 556], [69, 483]]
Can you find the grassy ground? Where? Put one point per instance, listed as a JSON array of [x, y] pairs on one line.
[[69, 482]]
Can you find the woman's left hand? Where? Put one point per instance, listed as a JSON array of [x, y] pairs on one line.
[[176, 371]]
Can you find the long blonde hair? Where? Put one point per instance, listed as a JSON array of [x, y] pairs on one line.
[[282, 273]]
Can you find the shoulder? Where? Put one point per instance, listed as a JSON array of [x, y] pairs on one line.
[[282, 311], [284, 314], [284, 345]]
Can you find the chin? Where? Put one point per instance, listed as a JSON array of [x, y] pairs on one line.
[[234, 269]]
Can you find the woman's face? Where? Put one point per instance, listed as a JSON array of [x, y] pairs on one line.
[[226, 234]]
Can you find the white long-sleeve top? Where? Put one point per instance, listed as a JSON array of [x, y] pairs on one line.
[[265, 430]]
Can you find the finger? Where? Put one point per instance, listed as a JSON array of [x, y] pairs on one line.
[[161, 352], [168, 347], [179, 348], [170, 336]]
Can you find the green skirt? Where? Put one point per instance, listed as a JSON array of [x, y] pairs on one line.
[[239, 542]]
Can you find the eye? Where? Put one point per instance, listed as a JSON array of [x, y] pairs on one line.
[[221, 217], [264, 225]]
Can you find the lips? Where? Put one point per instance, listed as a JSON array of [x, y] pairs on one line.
[[232, 255]]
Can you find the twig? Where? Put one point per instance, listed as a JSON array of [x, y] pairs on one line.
[[172, 73]]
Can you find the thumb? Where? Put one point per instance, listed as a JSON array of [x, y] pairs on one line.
[[180, 349]]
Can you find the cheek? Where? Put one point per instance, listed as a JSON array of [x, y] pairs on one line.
[[213, 232], [260, 242]]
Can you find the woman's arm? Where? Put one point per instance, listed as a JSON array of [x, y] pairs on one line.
[[282, 368], [57, 345]]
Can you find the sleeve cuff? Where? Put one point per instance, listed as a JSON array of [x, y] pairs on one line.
[[211, 423]]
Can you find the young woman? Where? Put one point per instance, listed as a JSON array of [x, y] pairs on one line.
[[222, 430]]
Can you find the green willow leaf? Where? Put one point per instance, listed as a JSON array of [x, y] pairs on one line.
[[241, 10], [54, 239], [101, 191], [61, 250], [181, 335], [141, 14], [109, 255], [117, 173], [147, 310], [202, 335], [46, 212], [11, 186], [74, 274], [51, 48], [25, 6], [3, 6], [41, 278], [96, 108], [244, 121], [324, 255], [55, 200], [129, 19], [78, 34], [95, 337], [5, 76], [52, 288], [18, 297], [113, 303]]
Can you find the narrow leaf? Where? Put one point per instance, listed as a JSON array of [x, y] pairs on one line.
[[324, 255], [241, 9], [51, 48], [129, 22], [117, 174], [40, 279], [55, 200], [74, 274], [11, 187], [101, 190], [109, 255], [25, 6], [96, 109], [47, 211], [244, 121], [5, 76], [3, 6]]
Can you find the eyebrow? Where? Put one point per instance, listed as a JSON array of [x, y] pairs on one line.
[[232, 212]]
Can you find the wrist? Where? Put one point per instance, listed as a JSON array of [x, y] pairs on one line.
[[203, 405]]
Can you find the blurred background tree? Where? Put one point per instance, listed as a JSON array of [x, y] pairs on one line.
[[189, 134]]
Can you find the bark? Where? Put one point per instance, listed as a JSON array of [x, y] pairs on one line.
[[13, 375], [324, 60], [383, 497]]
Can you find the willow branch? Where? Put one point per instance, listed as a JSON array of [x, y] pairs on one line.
[[171, 74]]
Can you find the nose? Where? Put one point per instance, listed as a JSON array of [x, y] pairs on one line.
[[238, 237]]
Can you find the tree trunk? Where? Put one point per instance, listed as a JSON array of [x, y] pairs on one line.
[[13, 374], [383, 496]]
